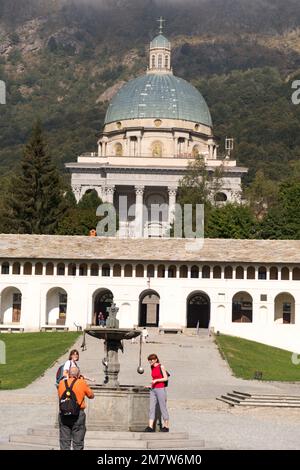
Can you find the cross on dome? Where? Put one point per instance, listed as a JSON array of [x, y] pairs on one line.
[[161, 22]]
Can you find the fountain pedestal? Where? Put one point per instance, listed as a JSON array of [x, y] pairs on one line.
[[125, 408], [115, 407]]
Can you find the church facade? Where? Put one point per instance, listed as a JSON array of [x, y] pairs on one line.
[[155, 126], [245, 288]]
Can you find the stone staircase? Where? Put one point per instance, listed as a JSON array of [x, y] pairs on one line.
[[48, 438], [259, 400]]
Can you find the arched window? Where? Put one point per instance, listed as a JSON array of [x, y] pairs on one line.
[[49, 269], [160, 61], [239, 272], [28, 268], [60, 269], [106, 270], [273, 273], [153, 62], [262, 273], [183, 271], [228, 272], [72, 269], [172, 271], [139, 270], [38, 269], [220, 197], [242, 306], [5, 268], [161, 271], [16, 268], [250, 272], [83, 269], [94, 269], [205, 272], [156, 149], [117, 270], [118, 150], [194, 272], [217, 272], [128, 270], [150, 270], [296, 274], [285, 274]]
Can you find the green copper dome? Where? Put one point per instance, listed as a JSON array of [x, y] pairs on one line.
[[160, 41], [158, 96]]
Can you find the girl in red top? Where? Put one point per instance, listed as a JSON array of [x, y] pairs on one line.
[[158, 393]]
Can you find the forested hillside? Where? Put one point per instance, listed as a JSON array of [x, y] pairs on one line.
[[58, 57]]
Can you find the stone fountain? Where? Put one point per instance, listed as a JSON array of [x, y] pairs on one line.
[[116, 407]]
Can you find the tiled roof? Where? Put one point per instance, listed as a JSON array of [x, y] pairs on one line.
[[165, 250]]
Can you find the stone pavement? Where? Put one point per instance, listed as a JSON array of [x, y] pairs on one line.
[[198, 376]]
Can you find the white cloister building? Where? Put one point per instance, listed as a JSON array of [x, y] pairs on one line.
[[154, 127], [246, 288]]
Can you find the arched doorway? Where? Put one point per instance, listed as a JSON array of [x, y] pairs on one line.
[[284, 308], [242, 308], [11, 305], [198, 310], [149, 308], [56, 306], [102, 299]]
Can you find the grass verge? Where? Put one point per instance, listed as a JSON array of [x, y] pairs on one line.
[[246, 357], [28, 355]]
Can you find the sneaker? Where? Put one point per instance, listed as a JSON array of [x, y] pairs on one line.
[[164, 429], [148, 429]]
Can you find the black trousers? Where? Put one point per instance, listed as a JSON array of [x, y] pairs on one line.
[[72, 430]]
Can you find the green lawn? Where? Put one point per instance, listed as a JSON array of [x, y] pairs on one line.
[[28, 355], [245, 357]]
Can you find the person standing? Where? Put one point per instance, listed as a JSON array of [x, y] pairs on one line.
[[72, 428], [71, 362], [158, 393]]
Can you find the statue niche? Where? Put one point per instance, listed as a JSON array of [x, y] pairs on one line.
[[157, 149]]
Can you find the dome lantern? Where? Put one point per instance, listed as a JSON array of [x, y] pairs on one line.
[[160, 53]]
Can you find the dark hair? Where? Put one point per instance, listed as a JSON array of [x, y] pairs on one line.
[[74, 351], [153, 356]]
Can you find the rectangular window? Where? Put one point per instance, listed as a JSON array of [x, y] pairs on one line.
[[263, 298]]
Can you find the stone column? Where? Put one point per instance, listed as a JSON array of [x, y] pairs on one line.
[[77, 191], [174, 146], [110, 194], [139, 215], [139, 146], [172, 203]]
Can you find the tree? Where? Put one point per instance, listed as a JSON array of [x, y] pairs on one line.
[[283, 220], [35, 202], [199, 186], [231, 221], [262, 194], [81, 218]]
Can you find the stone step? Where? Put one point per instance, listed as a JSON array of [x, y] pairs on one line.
[[52, 442], [246, 399], [266, 396], [116, 435]]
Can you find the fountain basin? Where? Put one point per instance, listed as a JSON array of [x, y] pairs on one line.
[[112, 333], [124, 408]]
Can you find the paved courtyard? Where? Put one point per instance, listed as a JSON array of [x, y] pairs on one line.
[[198, 376]]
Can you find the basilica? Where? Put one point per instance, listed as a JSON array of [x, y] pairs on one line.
[[154, 127]]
